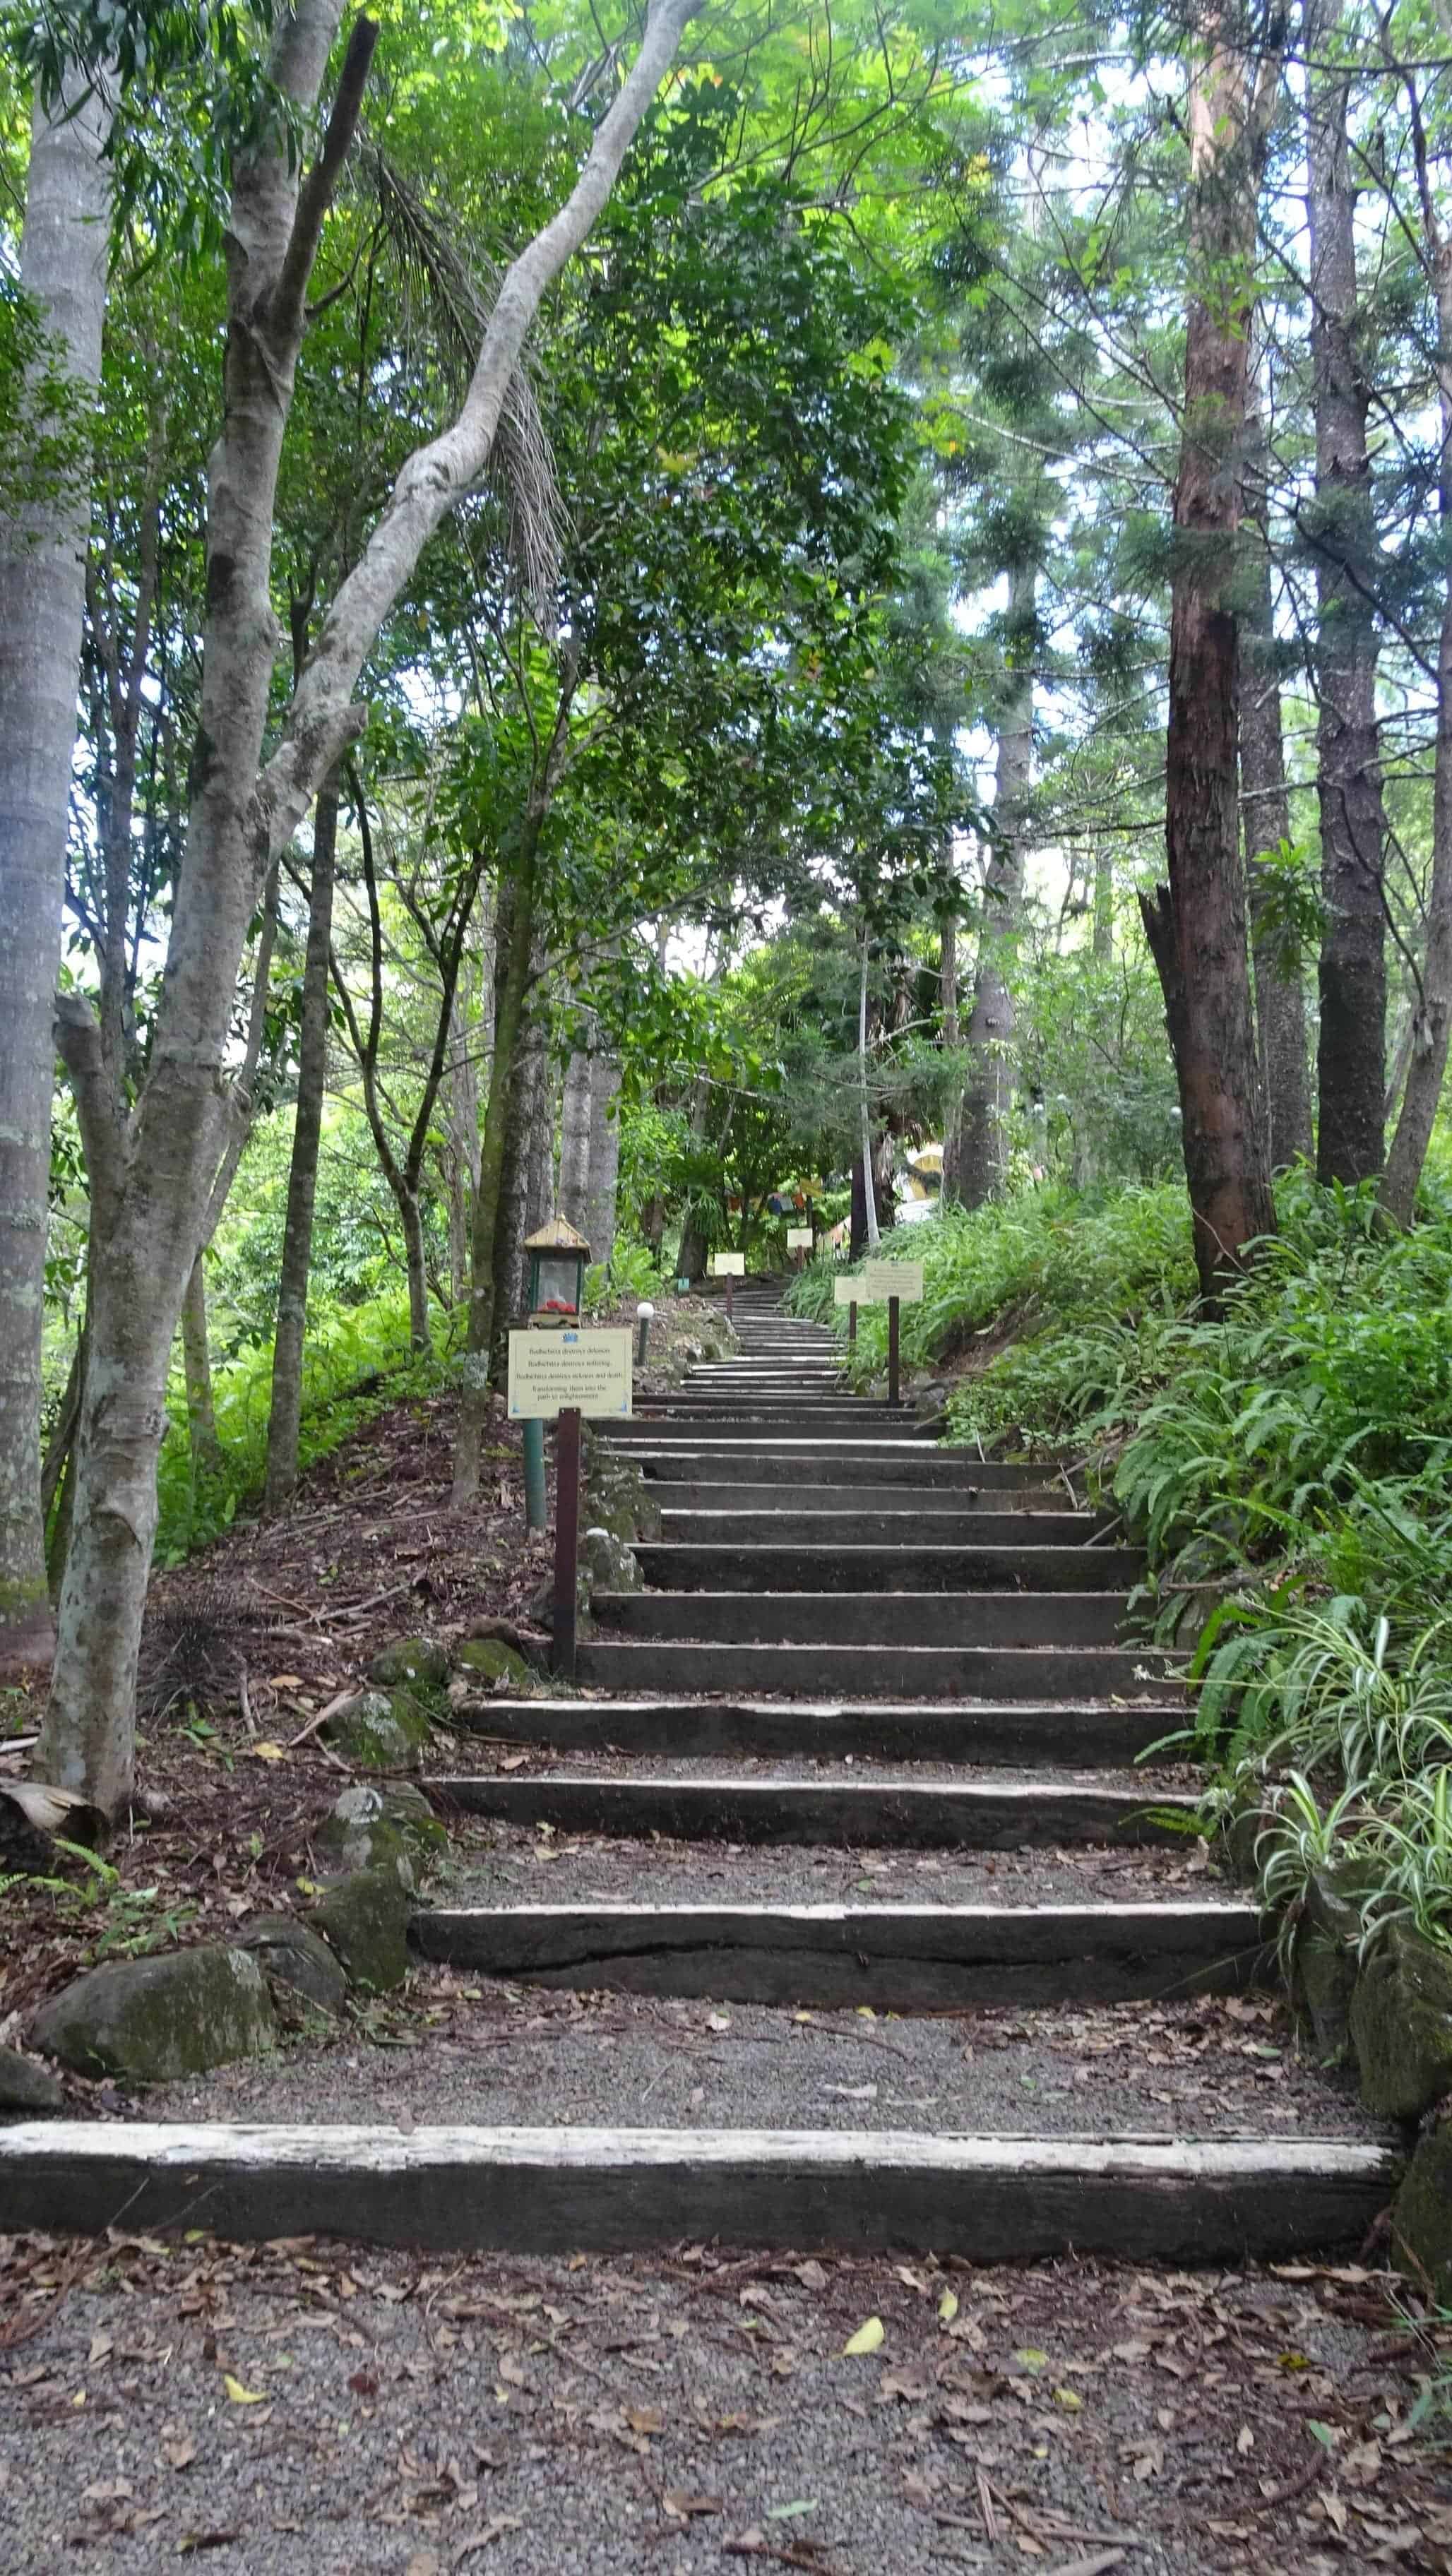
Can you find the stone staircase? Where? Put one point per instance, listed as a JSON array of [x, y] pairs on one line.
[[853, 1640]]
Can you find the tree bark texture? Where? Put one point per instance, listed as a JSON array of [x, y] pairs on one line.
[[574, 1190], [512, 1217], [599, 1226], [1351, 1058], [285, 1418], [1196, 924], [197, 1368], [514, 939], [1432, 1017], [539, 1197], [63, 257], [1280, 1001], [980, 1160]]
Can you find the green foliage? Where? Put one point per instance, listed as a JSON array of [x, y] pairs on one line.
[[630, 1275], [130, 1921]]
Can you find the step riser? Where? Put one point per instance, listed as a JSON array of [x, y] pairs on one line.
[[920, 1466], [925, 1672], [538, 2191], [937, 1962], [867, 1818], [652, 1430], [878, 1619], [1108, 1739], [829, 1526], [886, 1569], [895, 1502]]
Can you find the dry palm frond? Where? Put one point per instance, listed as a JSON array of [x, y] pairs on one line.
[[521, 463]]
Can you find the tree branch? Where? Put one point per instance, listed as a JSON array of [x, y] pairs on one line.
[[316, 193]]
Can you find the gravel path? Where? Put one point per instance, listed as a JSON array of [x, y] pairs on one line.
[[496, 1864], [483, 1760], [357, 2414], [466, 2049]]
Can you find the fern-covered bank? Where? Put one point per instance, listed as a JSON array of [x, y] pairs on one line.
[[1289, 1471]]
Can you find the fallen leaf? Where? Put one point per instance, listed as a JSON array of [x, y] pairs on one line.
[[179, 2455], [681, 2504], [788, 2512], [286, 1681], [1245, 2441], [191, 2541], [948, 2306], [868, 2338], [241, 2396], [267, 1752], [486, 2538], [645, 2419], [1069, 2399]]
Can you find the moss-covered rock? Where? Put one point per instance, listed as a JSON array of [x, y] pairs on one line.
[[364, 1920], [1325, 1970], [292, 1956], [1422, 2214], [156, 2019], [1401, 2024], [366, 1825], [608, 1563], [488, 1664], [418, 1663], [380, 1730], [28, 2090]]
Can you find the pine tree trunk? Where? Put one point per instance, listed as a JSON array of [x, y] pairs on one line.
[[574, 1191], [1196, 924], [981, 1161], [599, 1226], [1432, 1020], [1279, 999], [1351, 1059], [63, 257], [285, 1419], [197, 1365]]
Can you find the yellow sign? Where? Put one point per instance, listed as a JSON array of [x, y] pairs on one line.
[[799, 1238], [884, 1279], [552, 1373], [847, 1292], [728, 1265]]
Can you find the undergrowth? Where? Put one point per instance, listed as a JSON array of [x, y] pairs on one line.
[[1288, 1470]]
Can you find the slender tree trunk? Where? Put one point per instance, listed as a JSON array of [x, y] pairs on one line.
[[1196, 924], [461, 1098], [599, 1226], [197, 1365], [1280, 1001], [514, 935], [1432, 1019], [982, 1156], [511, 1223], [574, 1189], [539, 1202], [1103, 949], [410, 1218], [63, 258], [1351, 1060], [285, 1419], [870, 1235]]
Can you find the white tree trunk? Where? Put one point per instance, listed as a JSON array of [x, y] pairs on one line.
[[42, 588], [151, 1177]]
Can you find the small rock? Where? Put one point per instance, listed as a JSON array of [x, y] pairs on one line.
[[1422, 2214], [156, 2019], [1401, 2022], [26, 2087], [608, 1564], [364, 1919], [380, 1730], [418, 1660], [489, 1661], [367, 1824], [292, 1955]]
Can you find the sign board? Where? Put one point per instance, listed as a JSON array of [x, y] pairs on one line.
[[846, 1292], [799, 1238], [728, 1265], [884, 1279], [556, 1372]]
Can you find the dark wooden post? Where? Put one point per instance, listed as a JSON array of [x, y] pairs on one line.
[[893, 1306], [567, 1540], [730, 1283], [852, 1321]]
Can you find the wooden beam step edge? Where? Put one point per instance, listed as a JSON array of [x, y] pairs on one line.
[[552, 2191]]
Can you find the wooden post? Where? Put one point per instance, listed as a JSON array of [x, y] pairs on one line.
[[730, 1284], [535, 1514], [893, 1311], [567, 1540], [852, 1322]]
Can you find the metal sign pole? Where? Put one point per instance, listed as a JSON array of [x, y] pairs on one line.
[[567, 1540], [892, 1350]]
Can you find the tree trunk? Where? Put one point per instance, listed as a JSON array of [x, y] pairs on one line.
[[599, 1226], [151, 1179], [462, 1113], [574, 1191], [869, 1237], [1196, 924], [1103, 907], [1432, 1021], [63, 257], [1351, 1066], [285, 1419], [981, 1161], [197, 1365], [514, 935], [410, 1218], [539, 1200], [511, 1223], [1280, 1001]]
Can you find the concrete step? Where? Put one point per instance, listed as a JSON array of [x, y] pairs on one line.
[[894, 1432], [894, 1503], [862, 1815], [897, 1958], [805, 1526], [872, 1618], [1081, 1735], [893, 1672], [599, 2190], [916, 1462], [907, 1568]]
